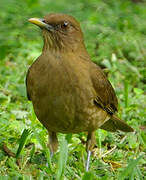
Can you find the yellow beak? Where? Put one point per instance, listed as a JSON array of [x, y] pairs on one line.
[[41, 24], [37, 22]]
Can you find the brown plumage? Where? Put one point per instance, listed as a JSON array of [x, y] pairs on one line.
[[70, 94]]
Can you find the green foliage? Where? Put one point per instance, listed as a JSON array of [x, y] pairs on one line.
[[42, 142], [62, 159], [88, 176], [115, 38], [22, 142], [131, 170]]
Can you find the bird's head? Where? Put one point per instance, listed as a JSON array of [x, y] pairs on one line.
[[60, 31]]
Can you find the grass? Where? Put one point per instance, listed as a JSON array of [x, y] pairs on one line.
[[115, 38]]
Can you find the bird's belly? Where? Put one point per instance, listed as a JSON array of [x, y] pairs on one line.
[[65, 104], [67, 114]]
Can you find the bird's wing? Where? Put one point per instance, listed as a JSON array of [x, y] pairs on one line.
[[106, 97]]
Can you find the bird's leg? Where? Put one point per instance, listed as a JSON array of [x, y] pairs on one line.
[[53, 142], [89, 146]]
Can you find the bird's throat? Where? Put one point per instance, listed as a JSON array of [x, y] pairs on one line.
[[56, 43]]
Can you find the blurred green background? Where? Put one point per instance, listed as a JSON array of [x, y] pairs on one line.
[[115, 36]]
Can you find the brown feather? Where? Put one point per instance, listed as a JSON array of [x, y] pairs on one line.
[[116, 124], [70, 94]]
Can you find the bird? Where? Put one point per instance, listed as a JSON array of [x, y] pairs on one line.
[[69, 92]]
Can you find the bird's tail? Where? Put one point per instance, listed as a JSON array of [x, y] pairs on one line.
[[116, 123]]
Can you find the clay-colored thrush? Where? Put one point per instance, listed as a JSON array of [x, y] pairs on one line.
[[70, 94]]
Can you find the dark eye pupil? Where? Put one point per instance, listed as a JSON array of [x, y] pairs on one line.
[[65, 24], [43, 20]]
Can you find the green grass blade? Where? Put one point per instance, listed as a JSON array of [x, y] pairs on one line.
[[24, 136], [88, 176], [32, 152], [126, 93], [130, 169], [139, 174], [62, 159], [99, 140], [45, 148]]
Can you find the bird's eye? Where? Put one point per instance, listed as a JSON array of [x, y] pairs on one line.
[[65, 24], [43, 20]]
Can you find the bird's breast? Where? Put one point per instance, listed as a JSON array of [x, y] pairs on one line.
[[62, 96]]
